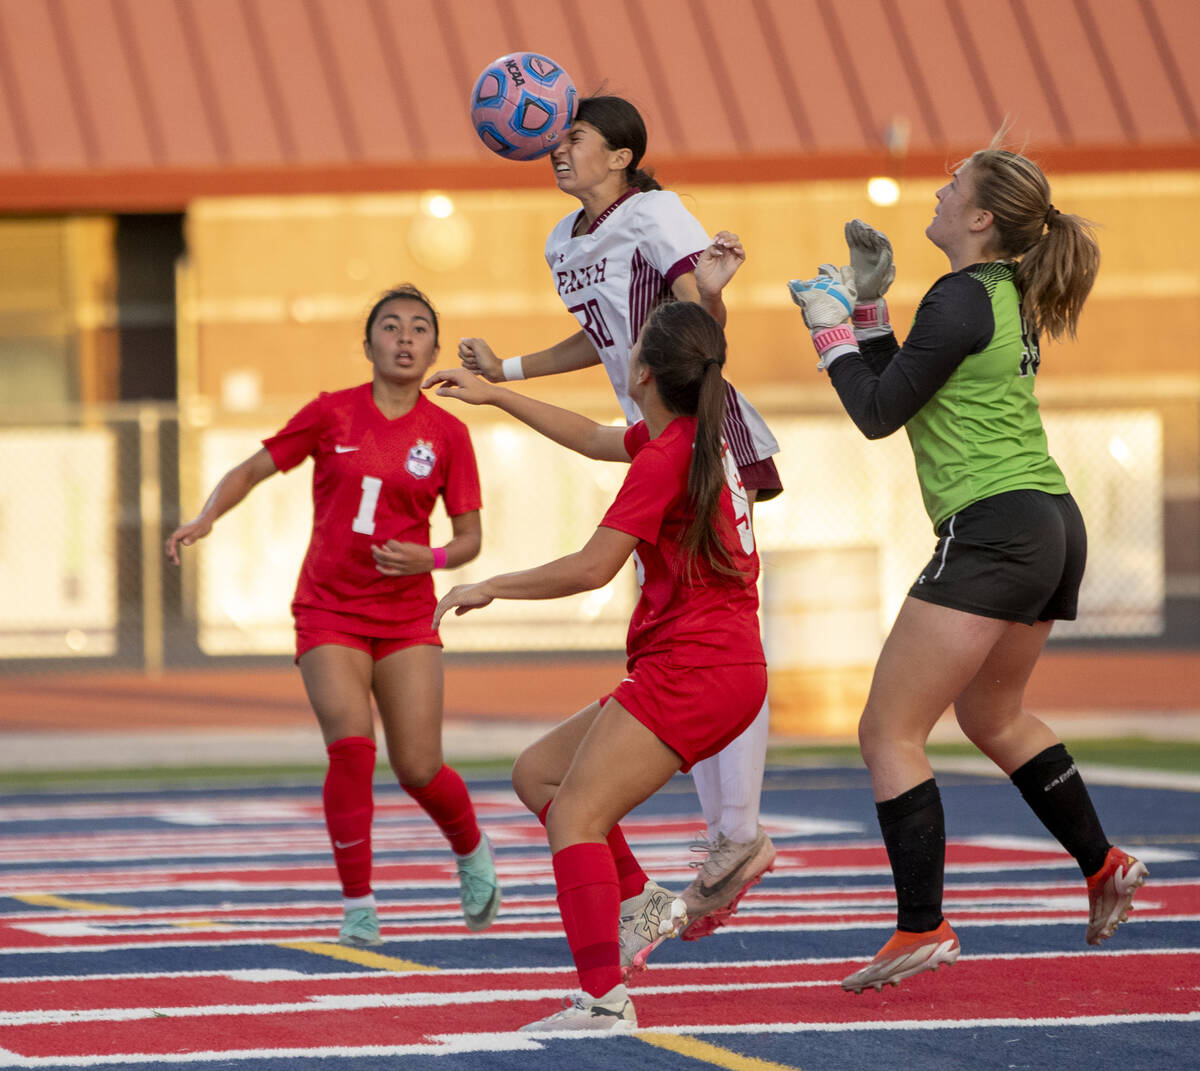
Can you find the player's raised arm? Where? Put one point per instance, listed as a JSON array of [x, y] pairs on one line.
[[571, 354], [717, 265], [572, 430], [874, 272], [589, 568]]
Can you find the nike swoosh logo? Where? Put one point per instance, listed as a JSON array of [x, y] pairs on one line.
[[345, 449], [348, 844], [717, 886]]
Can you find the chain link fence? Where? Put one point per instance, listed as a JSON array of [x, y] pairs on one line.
[[89, 496]]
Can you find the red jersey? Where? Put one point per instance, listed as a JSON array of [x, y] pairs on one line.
[[713, 620], [374, 479]]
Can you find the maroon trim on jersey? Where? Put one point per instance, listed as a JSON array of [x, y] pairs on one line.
[[736, 432], [682, 267], [647, 290], [608, 211], [763, 477]]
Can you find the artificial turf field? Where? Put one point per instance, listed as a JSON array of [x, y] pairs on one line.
[[194, 926]]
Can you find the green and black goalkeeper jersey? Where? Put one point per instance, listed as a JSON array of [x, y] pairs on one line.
[[962, 387]]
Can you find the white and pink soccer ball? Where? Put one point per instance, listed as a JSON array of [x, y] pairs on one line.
[[522, 104]]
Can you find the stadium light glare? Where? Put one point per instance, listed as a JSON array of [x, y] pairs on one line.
[[439, 206], [883, 191]]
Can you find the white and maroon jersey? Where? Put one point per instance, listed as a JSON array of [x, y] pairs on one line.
[[712, 619], [374, 479], [613, 275]]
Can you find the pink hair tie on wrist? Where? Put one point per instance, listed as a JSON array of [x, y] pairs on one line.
[[439, 557]]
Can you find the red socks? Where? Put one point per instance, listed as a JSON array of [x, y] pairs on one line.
[[349, 806], [592, 881], [630, 875], [348, 809], [589, 900], [446, 800]]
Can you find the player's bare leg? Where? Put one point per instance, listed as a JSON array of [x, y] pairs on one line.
[[648, 914], [619, 763], [408, 690], [929, 658], [338, 682], [991, 712]]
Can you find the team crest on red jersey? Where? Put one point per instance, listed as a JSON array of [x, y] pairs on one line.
[[421, 459]]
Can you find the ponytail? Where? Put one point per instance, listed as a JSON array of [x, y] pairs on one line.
[[1059, 256], [706, 478], [1056, 275], [684, 347], [641, 180]]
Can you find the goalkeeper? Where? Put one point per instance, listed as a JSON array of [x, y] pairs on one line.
[[1011, 541]]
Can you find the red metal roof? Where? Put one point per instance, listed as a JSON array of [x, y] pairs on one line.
[[144, 104]]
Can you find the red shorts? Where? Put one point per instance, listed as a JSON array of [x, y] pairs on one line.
[[376, 646], [694, 710]]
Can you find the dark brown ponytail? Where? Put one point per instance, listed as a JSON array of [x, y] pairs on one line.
[[684, 347]]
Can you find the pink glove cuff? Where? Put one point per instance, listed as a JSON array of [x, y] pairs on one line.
[[834, 342], [826, 338], [872, 314]]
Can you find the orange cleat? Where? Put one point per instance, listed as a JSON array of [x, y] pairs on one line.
[[903, 956], [1110, 893]]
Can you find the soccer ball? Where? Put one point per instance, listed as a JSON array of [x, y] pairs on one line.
[[522, 104]]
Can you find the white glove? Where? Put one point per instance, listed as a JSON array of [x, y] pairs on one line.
[[827, 303], [871, 258]]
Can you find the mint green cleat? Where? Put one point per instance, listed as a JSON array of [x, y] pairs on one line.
[[360, 928], [478, 887]]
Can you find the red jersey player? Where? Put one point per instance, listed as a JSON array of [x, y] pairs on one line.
[[382, 455], [696, 672]]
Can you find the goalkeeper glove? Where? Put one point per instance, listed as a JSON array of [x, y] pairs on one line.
[[871, 258], [827, 302]]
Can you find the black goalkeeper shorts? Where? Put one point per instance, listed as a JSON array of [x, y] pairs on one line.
[[1017, 556]]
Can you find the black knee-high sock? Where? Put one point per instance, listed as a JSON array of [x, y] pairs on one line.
[[1053, 788], [914, 833]]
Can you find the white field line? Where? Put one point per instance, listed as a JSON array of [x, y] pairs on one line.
[[554, 931], [270, 975], [326, 1002], [1094, 774], [312, 839], [1068, 906], [360, 1001], [303, 806], [191, 877], [765, 898], [458, 1044]]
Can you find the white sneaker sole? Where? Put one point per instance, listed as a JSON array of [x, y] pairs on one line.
[[892, 972], [1134, 879]]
